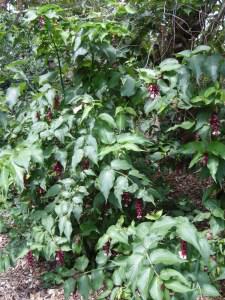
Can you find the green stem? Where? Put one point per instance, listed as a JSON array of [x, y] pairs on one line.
[[59, 64]]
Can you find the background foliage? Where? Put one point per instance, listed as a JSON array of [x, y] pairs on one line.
[[99, 101]]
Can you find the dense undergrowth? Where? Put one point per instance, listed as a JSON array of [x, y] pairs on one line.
[[88, 130]]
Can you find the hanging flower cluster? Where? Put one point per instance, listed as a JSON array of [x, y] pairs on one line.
[[153, 90], [126, 199], [58, 168], [139, 209], [183, 250], [30, 259], [59, 257], [215, 124]]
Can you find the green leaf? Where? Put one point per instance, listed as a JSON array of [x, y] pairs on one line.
[[185, 125], [188, 232], [61, 156], [23, 158], [97, 278], [68, 228], [53, 191], [184, 53], [106, 181], [201, 48], [145, 195], [196, 64], [144, 281], [217, 148], [155, 289], [117, 235], [167, 274], [131, 138], [107, 136], [129, 86], [209, 290], [81, 263], [86, 112], [84, 286], [77, 157], [121, 121], [69, 287], [163, 225], [134, 262], [121, 185], [130, 10], [212, 65], [177, 286], [108, 119], [193, 147], [169, 64], [148, 74], [213, 164], [48, 223], [118, 164], [164, 256], [91, 149]]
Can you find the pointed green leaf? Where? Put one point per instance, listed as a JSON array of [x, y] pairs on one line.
[[106, 181], [164, 256], [69, 287], [156, 290]]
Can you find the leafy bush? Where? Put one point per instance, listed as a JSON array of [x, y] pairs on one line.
[[84, 131]]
